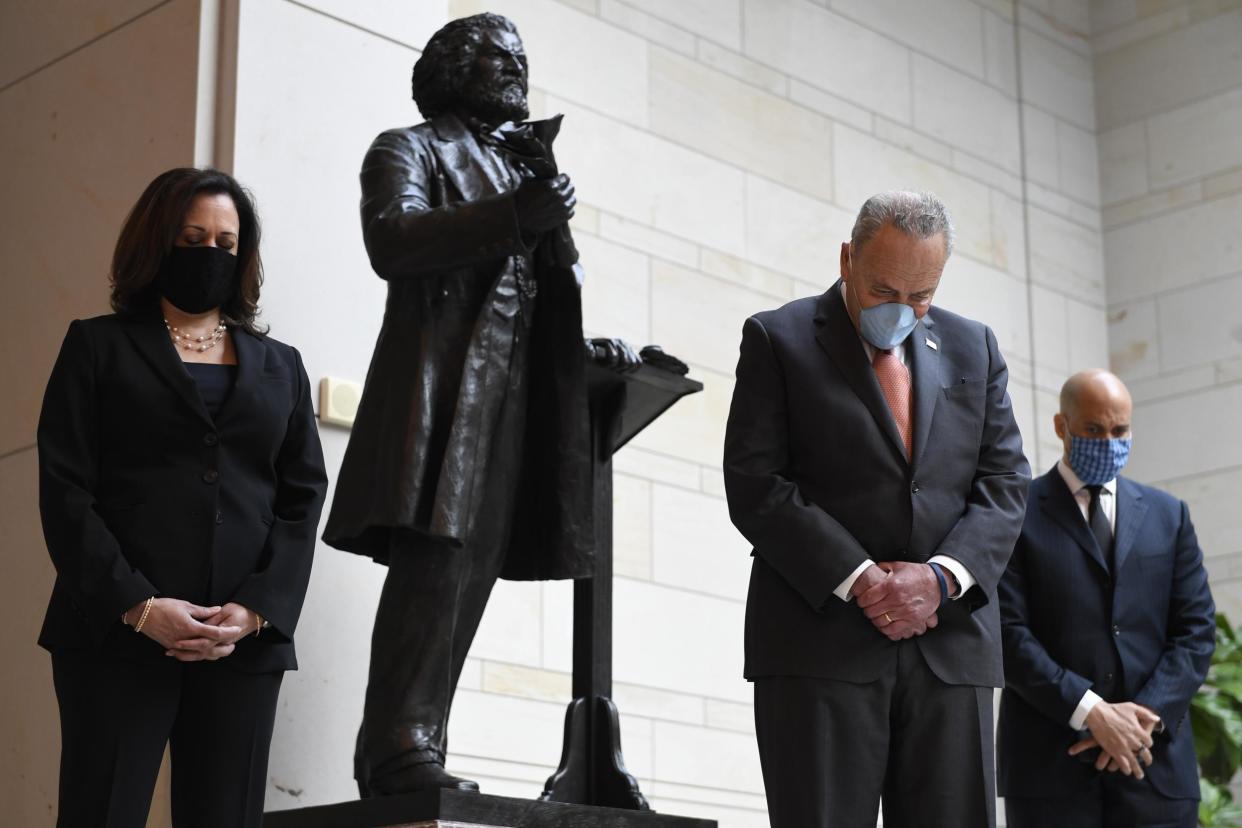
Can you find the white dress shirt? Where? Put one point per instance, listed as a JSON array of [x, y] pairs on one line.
[[964, 579], [1108, 503]]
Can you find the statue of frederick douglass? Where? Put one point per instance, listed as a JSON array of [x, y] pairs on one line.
[[469, 458]]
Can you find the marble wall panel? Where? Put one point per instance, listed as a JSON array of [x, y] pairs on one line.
[[34, 33], [1039, 133], [677, 640], [410, 23], [1079, 164], [717, 20], [1088, 336], [1066, 256], [1214, 509], [736, 122], [1154, 75], [1057, 79], [708, 758], [1179, 425], [829, 51], [948, 29], [1200, 324], [966, 113], [1123, 163], [631, 526], [1196, 140], [1175, 250], [700, 331], [695, 546], [652, 29], [1134, 339], [999, 53]]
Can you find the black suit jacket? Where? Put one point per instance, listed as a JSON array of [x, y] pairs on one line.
[[1143, 633], [141, 493], [818, 482]]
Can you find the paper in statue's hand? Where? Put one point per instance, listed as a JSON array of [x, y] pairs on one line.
[[529, 145]]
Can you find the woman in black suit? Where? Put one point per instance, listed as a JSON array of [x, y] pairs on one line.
[[180, 485]]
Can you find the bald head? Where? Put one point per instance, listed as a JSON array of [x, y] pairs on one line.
[[1094, 404], [1091, 387]]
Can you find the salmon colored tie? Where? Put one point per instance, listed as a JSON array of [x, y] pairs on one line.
[[895, 383]]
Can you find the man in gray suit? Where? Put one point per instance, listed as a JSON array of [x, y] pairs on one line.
[[872, 460]]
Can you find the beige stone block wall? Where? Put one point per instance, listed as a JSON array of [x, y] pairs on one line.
[[96, 98], [1169, 106]]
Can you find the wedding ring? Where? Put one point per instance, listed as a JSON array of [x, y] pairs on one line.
[[886, 618]]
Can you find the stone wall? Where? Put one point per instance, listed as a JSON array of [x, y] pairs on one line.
[[96, 98], [1169, 103]]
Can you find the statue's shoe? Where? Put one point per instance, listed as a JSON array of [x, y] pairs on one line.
[[421, 777]]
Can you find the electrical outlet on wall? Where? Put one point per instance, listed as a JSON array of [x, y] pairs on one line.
[[338, 401]]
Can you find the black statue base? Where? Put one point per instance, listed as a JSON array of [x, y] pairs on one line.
[[459, 808]]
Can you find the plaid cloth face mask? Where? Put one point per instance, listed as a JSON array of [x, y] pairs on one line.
[[1097, 460]]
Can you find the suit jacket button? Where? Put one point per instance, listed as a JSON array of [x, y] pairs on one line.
[[210, 438], [219, 518], [211, 476], [914, 486], [1108, 676], [1116, 630]]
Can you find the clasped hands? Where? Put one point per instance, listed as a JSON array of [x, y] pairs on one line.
[[899, 598], [188, 632], [1122, 732]]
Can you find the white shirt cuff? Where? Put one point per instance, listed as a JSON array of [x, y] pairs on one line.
[[843, 589], [964, 579], [1089, 700]]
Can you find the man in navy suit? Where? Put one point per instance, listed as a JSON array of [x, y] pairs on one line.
[[872, 460], [1108, 628]]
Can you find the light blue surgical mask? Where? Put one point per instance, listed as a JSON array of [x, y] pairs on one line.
[[1097, 460], [885, 326]]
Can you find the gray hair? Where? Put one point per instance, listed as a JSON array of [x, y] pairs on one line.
[[921, 215]]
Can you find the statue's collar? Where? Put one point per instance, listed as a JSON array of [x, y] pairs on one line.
[[449, 127]]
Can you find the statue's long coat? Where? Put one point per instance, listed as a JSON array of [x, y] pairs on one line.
[[440, 227]]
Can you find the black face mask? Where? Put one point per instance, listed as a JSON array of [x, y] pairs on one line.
[[197, 279]]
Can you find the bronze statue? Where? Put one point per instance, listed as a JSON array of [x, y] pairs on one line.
[[470, 455]]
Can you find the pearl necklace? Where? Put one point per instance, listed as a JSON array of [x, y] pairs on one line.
[[196, 343]]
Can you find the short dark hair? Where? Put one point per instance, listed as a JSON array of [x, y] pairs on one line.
[[152, 227], [447, 62]]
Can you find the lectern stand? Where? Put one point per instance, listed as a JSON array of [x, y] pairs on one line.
[[592, 771], [591, 788]]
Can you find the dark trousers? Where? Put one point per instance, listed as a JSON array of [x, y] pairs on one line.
[[116, 717], [431, 605], [1112, 801], [831, 751]]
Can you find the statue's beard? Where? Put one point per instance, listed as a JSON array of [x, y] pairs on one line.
[[496, 105]]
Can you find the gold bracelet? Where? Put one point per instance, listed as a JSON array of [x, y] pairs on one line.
[[145, 612]]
